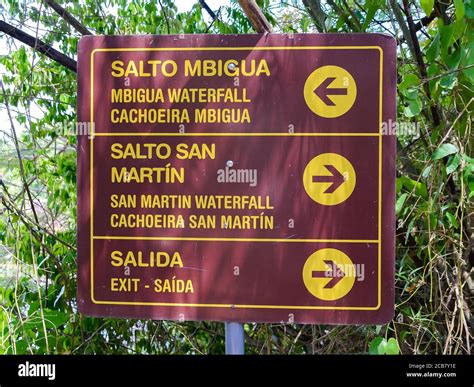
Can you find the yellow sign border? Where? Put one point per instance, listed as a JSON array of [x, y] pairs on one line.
[[239, 306]]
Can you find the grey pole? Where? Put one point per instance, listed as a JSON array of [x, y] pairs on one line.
[[234, 338]]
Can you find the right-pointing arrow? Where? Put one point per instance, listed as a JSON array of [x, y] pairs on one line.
[[323, 90], [335, 274], [336, 178]]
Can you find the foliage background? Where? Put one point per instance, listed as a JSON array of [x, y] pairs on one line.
[[435, 183]]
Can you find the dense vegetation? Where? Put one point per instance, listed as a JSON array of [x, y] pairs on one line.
[[435, 183]]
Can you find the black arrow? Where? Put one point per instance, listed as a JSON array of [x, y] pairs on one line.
[[336, 178], [323, 90]]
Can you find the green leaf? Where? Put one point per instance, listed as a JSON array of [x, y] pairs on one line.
[[469, 61], [410, 80], [426, 172], [433, 69], [411, 93], [469, 10], [447, 38], [427, 6], [459, 9], [452, 220], [392, 347], [417, 187], [398, 185], [454, 59], [413, 108], [33, 307], [453, 163], [469, 175], [448, 81], [56, 318], [444, 150], [433, 50], [400, 203], [373, 8], [53, 320], [471, 190], [409, 86], [21, 347], [377, 346]]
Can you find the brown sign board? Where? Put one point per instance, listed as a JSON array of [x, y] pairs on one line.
[[237, 177]]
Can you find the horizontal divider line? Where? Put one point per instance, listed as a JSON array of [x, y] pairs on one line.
[[237, 48], [286, 240], [236, 306], [106, 134]]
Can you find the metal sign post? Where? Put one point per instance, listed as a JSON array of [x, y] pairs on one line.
[[234, 338]]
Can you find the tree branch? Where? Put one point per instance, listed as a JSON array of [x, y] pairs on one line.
[[421, 63], [168, 29], [317, 14], [256, 16], [68, 17], [351, 24], [20, 160], [435, 112], [38, 45], [208, 9], [424, 21], [354, 17], [401, 22], [407, 165]]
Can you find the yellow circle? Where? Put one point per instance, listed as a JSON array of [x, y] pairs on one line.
[[329, 179], [319, 270], [330, 91]]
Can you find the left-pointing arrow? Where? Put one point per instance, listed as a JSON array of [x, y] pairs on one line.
[[336, 178], [334, 273], [323, 90]]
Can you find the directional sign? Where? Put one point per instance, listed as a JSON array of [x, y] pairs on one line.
[[237, 177]]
